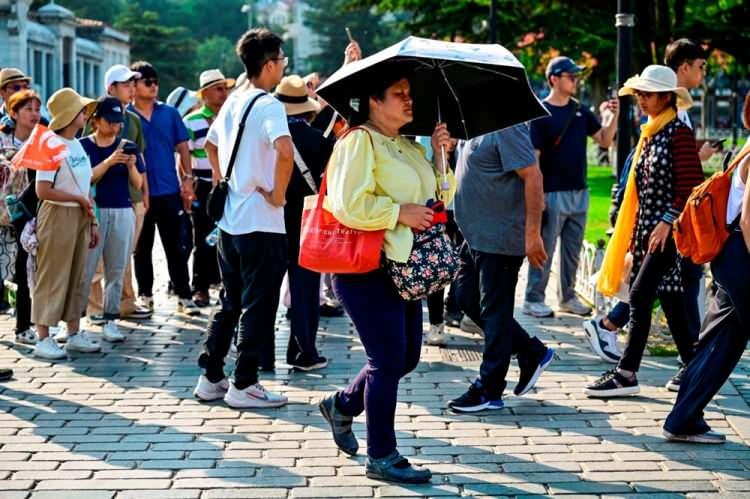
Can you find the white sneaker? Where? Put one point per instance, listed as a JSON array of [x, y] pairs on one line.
[[146, 302], [59, 333], [48, 349], [27, 337], [253, 396], [82, 342], [537, 309], [111, 333], [469, 326], [436, 335], [603, 342], [574, 306], [188, 307], [207, 391]]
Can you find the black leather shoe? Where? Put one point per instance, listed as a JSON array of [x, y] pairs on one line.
[[330, 311], [341, 425], [395, 468], [6, 374]]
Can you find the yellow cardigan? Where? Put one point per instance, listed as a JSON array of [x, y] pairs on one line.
[[368, 180]]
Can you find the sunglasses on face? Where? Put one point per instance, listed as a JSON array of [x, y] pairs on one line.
[[17, 87], [570, 76], [150, 82]]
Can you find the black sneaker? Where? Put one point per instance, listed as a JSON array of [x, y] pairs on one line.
[[673, 385], [613, 384], [302, 364], [475, 400], [530, 373], [331, 311], [453, 319], [6, 374], [395, 468]]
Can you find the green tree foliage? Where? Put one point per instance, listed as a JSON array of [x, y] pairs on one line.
[[170, 49], [218, 52], [328, 18]]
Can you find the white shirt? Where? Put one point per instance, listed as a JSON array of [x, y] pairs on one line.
[[74, 174], [683, 116], [736, 192], [246, 209]]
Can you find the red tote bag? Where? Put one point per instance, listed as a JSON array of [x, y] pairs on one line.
[[328, 246]]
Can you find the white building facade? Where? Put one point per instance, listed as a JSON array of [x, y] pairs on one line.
[[57, 49]]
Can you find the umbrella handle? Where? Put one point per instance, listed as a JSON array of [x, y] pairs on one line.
[[445, 185]]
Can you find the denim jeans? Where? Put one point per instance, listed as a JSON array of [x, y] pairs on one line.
[[723, 340], [485, 289], [391, 332], [252, 267]]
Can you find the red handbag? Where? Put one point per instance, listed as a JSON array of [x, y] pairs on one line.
[[328, 246]]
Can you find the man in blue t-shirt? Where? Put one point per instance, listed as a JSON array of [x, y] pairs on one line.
[[560, 144]]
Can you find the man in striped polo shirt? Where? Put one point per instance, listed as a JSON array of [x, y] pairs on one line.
[[214, 89]]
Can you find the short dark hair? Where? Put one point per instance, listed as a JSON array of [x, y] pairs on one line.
[[256, 47], [681, 51], [145, 68], [375, 87]]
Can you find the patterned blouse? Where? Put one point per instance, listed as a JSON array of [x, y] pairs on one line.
[[666, 173]]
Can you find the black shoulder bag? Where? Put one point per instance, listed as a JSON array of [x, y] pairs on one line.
[[217, 198]]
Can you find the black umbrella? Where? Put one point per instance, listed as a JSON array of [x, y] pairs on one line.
[[473, 88]]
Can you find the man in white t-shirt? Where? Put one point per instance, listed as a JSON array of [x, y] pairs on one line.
[[252, 244]]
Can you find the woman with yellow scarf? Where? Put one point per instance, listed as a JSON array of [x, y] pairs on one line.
[[665, 169]]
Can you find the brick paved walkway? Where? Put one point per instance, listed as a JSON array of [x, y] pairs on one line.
[[123, 424]]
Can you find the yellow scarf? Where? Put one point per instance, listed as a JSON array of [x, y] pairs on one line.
[[613, 266]]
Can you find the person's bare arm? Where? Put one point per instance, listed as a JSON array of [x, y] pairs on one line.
[[135, 177], [283, 171], [46, 192], [115, 158], [606, 134], [534, 201], [186, 174], [745, 212], [213, 158]]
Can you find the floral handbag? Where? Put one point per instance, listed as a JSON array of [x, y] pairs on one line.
[[432, 265]]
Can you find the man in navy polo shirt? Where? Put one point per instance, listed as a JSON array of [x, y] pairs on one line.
[[169, 196], [560, 143]]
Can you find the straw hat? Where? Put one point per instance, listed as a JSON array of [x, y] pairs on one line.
[[64, 105], [656, 78], [292, 92], [9, 75], [213, 77]]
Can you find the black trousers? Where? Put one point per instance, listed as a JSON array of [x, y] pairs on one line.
[[252, 267], [724, 336], [165, 212], [205, 260], [643, 294], [23, 296], [304, 291], [485, 290]]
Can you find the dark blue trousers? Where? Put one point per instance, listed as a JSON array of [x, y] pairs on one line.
[[726, 330], [304, 289], [391, 332]]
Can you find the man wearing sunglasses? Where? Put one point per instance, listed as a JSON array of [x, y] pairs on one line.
[[12, 80], [170, 190], [560, 143]]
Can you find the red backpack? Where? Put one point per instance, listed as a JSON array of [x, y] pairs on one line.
[[701, 230]]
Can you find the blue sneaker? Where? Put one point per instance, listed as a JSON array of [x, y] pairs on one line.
[[530, 373], [475, 400]]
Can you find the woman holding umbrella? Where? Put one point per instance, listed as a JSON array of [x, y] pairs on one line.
[[378, 179]]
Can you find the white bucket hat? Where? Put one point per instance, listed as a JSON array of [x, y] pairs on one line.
[[656, 78]]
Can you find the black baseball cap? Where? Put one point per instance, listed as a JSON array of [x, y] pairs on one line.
[[560, 65], [110, 109]]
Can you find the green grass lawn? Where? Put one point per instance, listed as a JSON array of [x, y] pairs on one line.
[[600, 180]]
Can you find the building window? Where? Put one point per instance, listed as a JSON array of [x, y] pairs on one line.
[[79, 76], [86, 78], [50, 76], [97, 83], [37, 72]]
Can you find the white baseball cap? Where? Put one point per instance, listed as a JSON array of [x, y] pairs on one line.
[[119, 73]]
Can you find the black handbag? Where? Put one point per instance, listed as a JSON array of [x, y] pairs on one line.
[[217, 198]]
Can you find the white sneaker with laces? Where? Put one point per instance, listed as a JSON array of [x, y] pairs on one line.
[[469, 326], [537, 309], [207, 391], [187, 306], [48, 349], [27, 337], [253, 396], [146, 302], [82, 342], [603, 342], [59, 333], [111, 333], [574, 306], [436, 336]]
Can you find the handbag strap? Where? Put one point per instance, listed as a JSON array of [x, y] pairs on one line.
[[240, 131], [304, 170], [324, 183]]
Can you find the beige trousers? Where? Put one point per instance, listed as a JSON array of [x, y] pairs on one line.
[[127, 304], [63, 233]]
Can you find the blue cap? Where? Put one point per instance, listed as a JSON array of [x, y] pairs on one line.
[[110, 109], [560, 65]]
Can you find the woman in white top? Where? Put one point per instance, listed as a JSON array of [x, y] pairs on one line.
[[726, 328], [65, 228]]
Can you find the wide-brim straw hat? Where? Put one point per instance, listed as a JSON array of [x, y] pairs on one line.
[[657, 78], [212, 78], [292, 92], [64, 105], [11, 75]]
